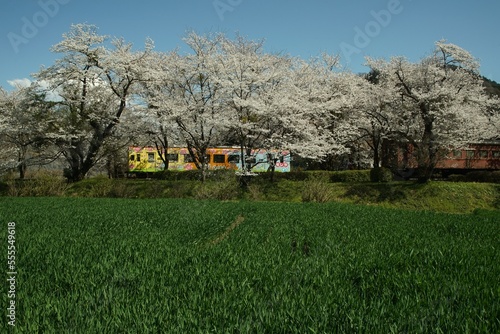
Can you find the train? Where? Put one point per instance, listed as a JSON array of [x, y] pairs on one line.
[[474, 157], [400, 158], [147, 159]]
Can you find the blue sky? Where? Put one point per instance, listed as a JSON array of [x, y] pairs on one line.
[[353, 29]]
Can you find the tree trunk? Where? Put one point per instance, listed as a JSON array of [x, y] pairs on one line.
[[203, 170], [249, 157], [427, 154], [242, 151], [162, 146], [22, 170], [376, 154], [80, 161], [272, 167], [21, 161]]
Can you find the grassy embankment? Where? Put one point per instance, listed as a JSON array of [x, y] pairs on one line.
[[454, 197]]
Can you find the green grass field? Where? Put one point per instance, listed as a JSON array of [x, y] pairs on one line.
[[100, 265]]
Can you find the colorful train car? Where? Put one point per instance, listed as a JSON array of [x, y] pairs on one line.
[[148, 160]]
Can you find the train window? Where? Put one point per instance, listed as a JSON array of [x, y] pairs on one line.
[[470, 154], [138, 158], [219, 158], [483, 154], [132, 157], [234, 158], [495, 154], [456, 154], [172, 157], [250, 159], [187, 158], [151, 157]]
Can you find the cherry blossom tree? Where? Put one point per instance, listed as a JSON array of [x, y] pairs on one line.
[[375, 114], [442, 102], [160, 93], [251, 81], [184, 90], [232, 91], [278, 102], [319, 105], [23, 127], [94, 83]]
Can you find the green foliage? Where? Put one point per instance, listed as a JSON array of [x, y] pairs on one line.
[[435, 196], [334, 176], [105, 187], [317, 189], [476, 176], [380, 174], [292, 176], [351, 176], [185, 266], [220, 186], [171, 175], [99, 186], [39, 184], [456, 178], [4, 188], [283, 190], [323, 175], [495, 176], [483, 176], [456, 197]]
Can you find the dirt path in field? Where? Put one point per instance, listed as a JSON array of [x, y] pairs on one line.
[[228, 230]]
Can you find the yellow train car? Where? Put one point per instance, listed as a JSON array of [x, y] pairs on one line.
[[146, 159]]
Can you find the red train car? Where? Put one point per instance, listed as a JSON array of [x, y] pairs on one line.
[[475, 157], [483, 156]]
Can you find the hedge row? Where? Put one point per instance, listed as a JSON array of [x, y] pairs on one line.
[[331, 176], [189, 175], [349, 176], [476, 176]]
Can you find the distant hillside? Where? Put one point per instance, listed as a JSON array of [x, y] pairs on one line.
[[492, 87]]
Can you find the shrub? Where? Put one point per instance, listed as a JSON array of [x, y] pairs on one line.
[[296, 175], [495, 176], [479, 176], [380, 174], [292, 176], [225, 188], [319, 175], [254, 192], [44, 183], [317, 189], [98, 186], [220, 174], [4, 188], [174, 175], [350, 176], [457, 178], [191, 175]]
